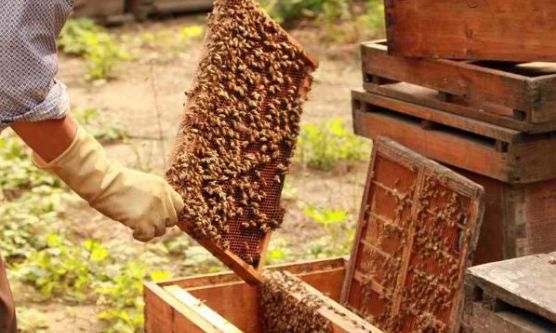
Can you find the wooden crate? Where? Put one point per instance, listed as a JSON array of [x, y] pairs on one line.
[[512, 156], [520, 219], [511, 30], [519, 96], [417, 232], [228, 304], [105, 11], [514, 296]]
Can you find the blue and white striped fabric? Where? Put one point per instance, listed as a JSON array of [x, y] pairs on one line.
[[28, 60]]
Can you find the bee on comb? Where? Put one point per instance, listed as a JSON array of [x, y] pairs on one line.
[[238, 133]]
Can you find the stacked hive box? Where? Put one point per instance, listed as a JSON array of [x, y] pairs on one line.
[[492, 121]]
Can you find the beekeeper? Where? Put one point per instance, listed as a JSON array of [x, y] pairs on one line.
[[36, 106]]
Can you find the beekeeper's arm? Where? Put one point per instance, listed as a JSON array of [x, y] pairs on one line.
[[36, 107]]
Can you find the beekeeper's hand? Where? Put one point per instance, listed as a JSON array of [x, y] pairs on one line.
[[143, 202]]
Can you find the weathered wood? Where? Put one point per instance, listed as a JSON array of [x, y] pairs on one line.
[[511, 30], [416, 235], [205, 317], [508, 321], [179, 6], [528, 283], [105, 11], [230, 297], [525, 92], [516, 295], [490, 113], [513, 157]]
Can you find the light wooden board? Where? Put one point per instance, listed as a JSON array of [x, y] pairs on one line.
[[528, 283]]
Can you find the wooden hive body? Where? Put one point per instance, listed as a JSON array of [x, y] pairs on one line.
[[511, 30], [520, 219], [239, 130], [514, 296], [521, 96]]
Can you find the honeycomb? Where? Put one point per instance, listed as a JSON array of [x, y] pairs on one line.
[[239, 129]]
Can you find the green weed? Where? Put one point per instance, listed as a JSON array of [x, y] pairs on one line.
[[107, 131], [339, 232], [63, 270], [17, 171], [84, 38], [322, 145]]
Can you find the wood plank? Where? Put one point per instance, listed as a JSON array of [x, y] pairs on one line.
[[180, 6], [485, 321], [438, 116], [308, 268], [490, 113], [164, 315], [446, 147], [521, 87], [422, 261], [514, 157], [202, 314], [491, 30], [528, 283]]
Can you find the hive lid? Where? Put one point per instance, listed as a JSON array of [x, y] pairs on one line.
[[239, 128], [417, 231]]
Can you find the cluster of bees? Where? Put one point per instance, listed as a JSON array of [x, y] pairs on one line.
[[240, 126], [283, 313], [436, 270]]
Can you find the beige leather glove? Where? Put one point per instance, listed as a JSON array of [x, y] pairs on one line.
[[143, 202]]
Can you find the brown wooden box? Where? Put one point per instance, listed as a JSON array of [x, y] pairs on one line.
[[480, 147], [519, 96], [515, 296], [230, 305], [106, 11], [512, 30], [520, 219]]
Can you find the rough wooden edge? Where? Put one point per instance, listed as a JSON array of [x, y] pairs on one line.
[[203, 316], [473, 126], [299, 268]]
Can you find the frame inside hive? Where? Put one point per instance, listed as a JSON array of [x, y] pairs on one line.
[[244, 110], [417, 231]]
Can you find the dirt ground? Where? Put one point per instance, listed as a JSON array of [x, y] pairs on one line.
[[147, 100]]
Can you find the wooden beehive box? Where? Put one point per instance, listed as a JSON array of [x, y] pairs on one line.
[[514, 296], [105, 11], [521, 96], [228, 303], [511, 30], [143, 8], [417, 232], [512, 156], [520, 218]]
